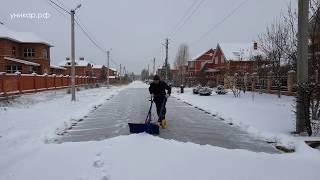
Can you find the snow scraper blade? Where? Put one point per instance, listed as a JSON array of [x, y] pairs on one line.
[[146, 127]]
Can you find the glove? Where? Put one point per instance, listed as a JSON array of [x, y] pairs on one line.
[[167, 96]]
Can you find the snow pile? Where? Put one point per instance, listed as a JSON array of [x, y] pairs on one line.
[[147, 157], [30, 120], [264, 115], [138, 84]]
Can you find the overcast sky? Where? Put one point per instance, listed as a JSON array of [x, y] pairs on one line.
[[135, 30]]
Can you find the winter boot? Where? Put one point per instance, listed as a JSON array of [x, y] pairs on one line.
[[164, 123]]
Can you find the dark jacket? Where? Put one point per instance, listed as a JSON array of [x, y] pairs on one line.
[[159, 89]]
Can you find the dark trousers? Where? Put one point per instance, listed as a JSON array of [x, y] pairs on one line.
[[160, 102]]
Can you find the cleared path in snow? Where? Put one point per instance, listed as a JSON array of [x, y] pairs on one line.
[[185, 123]]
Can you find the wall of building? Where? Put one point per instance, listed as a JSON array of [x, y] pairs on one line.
[[6, 51]]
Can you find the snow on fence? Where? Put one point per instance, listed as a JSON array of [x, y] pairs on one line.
[[12, 84]]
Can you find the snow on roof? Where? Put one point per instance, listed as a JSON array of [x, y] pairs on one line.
[[97, 66], [238, 51], [21, 61], [199, 55], [81, 63], [22, 37], [113, 69], [57, 67]]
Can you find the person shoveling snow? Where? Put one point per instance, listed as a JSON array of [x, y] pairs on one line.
[[157, 90], [159, 95]]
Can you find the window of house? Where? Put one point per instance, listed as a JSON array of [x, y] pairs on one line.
[[191, 64], [13, 51], [216, 60], [45, 53], [13, 69], [31, 69], [28, 52]]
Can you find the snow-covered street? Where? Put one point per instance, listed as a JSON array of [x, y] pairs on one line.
[[29, 124]]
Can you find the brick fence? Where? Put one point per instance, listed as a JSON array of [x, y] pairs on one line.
[[12, 84], [268, 84]]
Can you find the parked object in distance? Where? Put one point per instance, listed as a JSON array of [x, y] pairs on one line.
[[205, 91], [221, 90], [196, 89]]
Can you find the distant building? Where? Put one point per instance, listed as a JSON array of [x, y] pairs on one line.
[[100, 72], [58, 70], [24, 52], [231, 58], [196, 64], [82, 67]]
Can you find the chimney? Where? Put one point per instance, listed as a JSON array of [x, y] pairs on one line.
[[81, 58], [67, 59], [255, 45]]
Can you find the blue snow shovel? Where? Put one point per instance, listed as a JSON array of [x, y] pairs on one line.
[[147, 126]]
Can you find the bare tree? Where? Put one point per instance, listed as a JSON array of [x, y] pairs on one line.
[[279, 44], [314, 67], [144, 74], [181, 60]]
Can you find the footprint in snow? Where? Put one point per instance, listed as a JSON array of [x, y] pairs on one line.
[[98, 164]]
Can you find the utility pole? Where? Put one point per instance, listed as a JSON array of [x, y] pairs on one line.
[[73, 69], [302, 64], [166, 60], [148, 71], [154, 66], [120, 74], [108, 85]]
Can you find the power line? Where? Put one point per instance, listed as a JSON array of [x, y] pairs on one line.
[[221, 22], [188, 18], [58, 10], [59, 6], [89, 37], [82, 29], [184, 16]]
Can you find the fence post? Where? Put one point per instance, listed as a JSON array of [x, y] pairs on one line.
[[253, 81], [290, 82], [3, 79], [269, 82]]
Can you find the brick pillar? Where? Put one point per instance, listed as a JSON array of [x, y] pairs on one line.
[[253, 81], [46, 80], [269, 81], [290, 82], [225, 82], [246, 80], [34, 81], [19, 82], [54, 81], [3, 82]]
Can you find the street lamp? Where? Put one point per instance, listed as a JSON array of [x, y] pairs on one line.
[[73, 71]]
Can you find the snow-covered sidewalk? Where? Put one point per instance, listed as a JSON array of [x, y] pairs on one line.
[[31, 120], [263, 115]]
